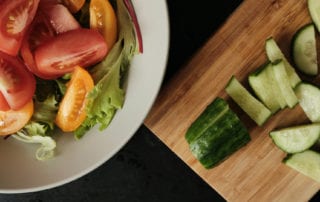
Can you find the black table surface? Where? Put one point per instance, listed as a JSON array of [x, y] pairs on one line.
[[145, 170]]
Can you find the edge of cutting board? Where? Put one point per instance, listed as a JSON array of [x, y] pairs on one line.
[[237, 48]]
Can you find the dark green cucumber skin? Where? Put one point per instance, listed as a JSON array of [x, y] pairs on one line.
[[204, 121], [292, 45], [218, 140], [234, 136], [206, 142]]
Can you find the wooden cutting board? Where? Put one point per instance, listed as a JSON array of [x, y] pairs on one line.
[[254, 173]]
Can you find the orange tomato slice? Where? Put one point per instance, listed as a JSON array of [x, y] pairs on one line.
[[103, 19], [72, 108], [73, 5], [12, 121]]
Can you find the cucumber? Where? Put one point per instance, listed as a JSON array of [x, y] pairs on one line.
[[309, 100], [307, 163], [216, 134], [209, 116], [304, 50], [296, 139], [261, 82], [283, 82], [274, 53], [235, 141], [253, 107], [217, 142], [314, 11]]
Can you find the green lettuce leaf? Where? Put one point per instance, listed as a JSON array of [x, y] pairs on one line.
[[108, 94], [35, 132], [45, 112]]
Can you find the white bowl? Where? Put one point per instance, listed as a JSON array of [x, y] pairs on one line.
[[21, 172]]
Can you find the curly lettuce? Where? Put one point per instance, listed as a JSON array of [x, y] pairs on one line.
[[35, 132]]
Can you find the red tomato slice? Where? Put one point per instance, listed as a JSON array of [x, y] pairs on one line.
[[60, 55], [15, 18], [60, 18], [40, 31], [17, 84], [4, 106]]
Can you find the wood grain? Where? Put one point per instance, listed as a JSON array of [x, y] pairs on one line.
[[254, 173]]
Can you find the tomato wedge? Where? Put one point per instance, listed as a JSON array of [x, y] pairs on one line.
[[59, 55], [103, 19], [4, 106], [15, 18], [13, 120], [39, 32], [60, 18], [17, 84], [72, 108]]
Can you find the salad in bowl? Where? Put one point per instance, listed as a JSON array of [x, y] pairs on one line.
[[71, 155], [63, 66]]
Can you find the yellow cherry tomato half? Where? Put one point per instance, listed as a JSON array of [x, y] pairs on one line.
[[103, 19], [12, 121], [72, 108]]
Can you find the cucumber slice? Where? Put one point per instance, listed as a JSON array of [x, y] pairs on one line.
[[283, 82], [261, 83], [216, 134], [274, 53], [296, 139], [314, 10], [253, 107], [304, 50], [309, 100], [276, 88], [307, 163]]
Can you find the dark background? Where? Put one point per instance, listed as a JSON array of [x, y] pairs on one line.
[[145, 170]]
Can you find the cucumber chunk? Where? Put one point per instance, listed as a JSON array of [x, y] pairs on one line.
[[261, 82], [274, 53], [309, 100], [216, 134], [296, 139], [236, 140], [314, 11], [210, 115], [252, 106], [283, 82], [220, 140], [304, 50], [307, 163]]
